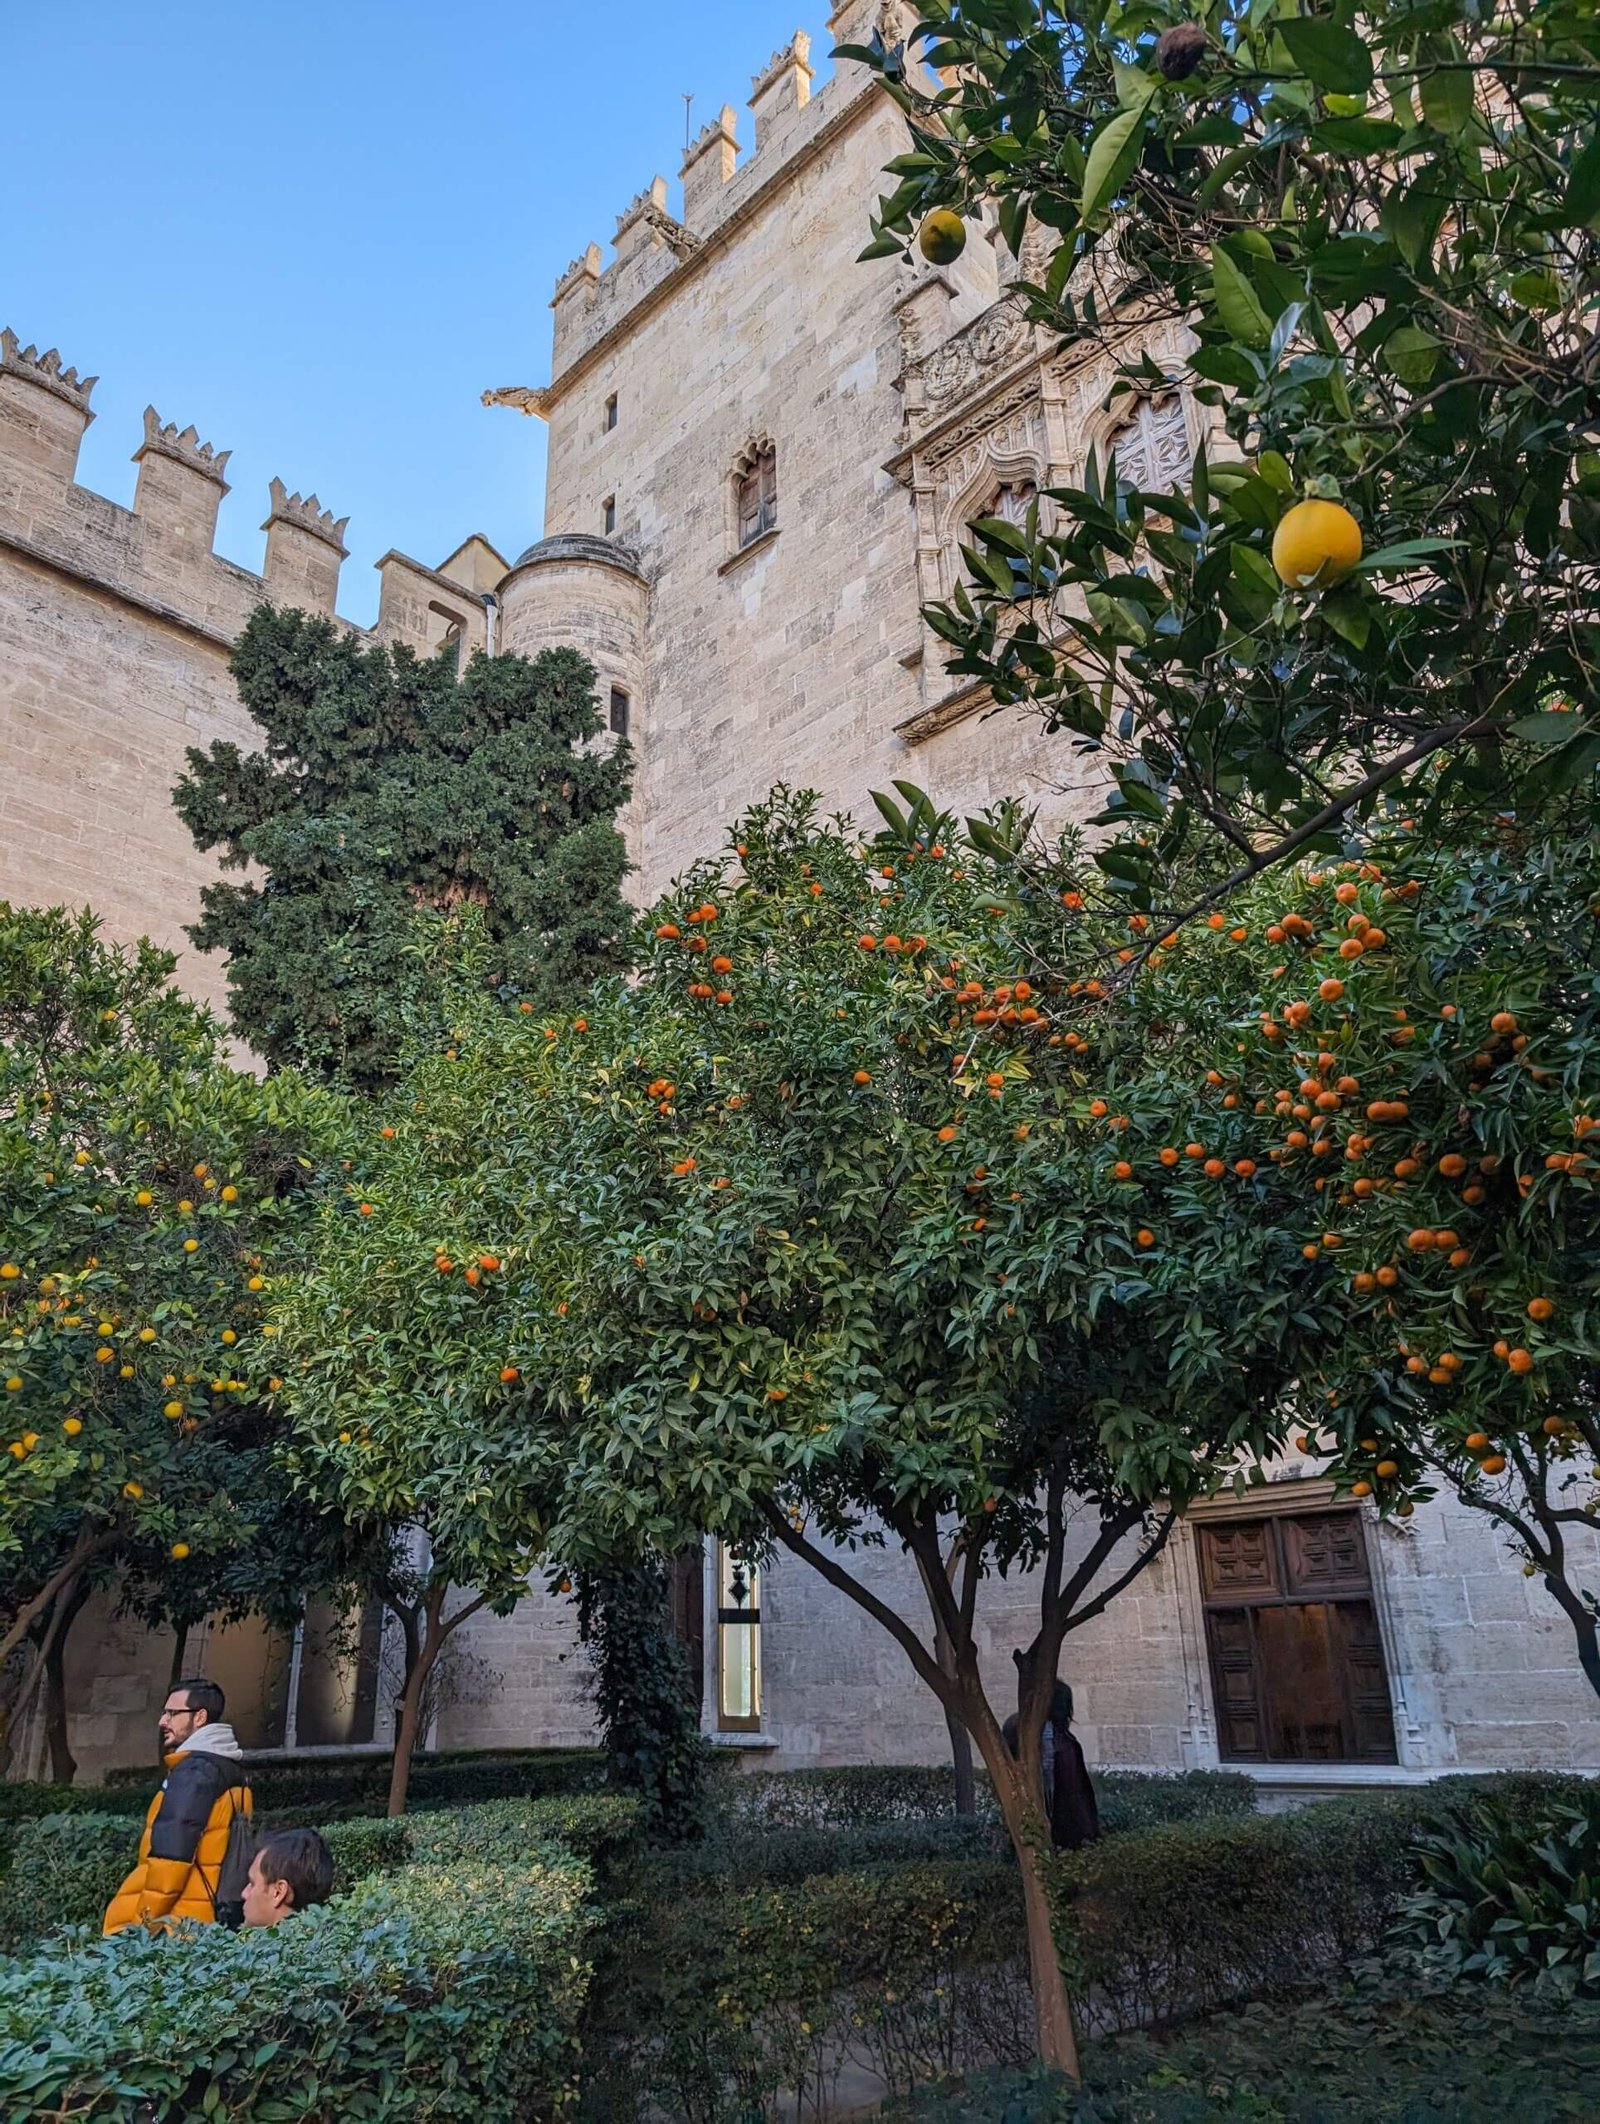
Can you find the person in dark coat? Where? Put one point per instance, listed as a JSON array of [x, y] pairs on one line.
[[1069, 1801]]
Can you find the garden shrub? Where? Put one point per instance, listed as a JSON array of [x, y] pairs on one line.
[[64, 1870], [866, 1796], [714, 2002], [445, 1992], [1510, 1901], [752, 1857], [1357, 2053], [363, 1845], [596, 1826], [311, 1790]]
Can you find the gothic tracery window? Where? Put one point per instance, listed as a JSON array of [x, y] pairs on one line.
[[1015, 499], [1151, 445]]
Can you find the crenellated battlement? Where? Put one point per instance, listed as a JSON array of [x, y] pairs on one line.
[[650, 246], [159, 557], [47, 372], [306, 513], [184, 447]]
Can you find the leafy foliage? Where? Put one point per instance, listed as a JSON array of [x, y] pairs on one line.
[[1368, 2051], [1512, 1902], [1378, 239], [389, 784], [647, 1705], [149, 1192], [449, 1992], [1415, 1054]]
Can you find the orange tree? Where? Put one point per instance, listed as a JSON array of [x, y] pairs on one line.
[[1369, 240], [1415, 1049], [405, 1409], [828, 1232], [148, 1192]]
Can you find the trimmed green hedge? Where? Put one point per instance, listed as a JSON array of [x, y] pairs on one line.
[[870, 1796], [1374, 2052], [445, 1992], [718, 1995], [64, 1870], [323, 1790], [66, 1867]]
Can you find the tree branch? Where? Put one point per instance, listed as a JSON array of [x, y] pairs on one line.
[[922, 1660]]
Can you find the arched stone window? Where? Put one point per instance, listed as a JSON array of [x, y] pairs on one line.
[[755, 493]]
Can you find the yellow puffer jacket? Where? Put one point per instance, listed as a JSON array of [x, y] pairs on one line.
[[185, 1837]]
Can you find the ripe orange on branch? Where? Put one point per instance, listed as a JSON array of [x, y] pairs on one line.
[[1315, 544]]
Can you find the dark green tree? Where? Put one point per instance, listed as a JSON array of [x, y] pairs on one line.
[[388, 784]]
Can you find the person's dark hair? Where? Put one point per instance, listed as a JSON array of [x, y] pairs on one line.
[[300, 1857], [203, 1696], [1061, 1705]]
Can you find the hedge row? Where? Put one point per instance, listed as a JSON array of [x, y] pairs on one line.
[[324, 1790], [717, 1996], [451, 1992], [66, 1867], [873, 1795]]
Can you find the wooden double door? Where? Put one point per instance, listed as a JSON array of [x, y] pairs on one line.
[[1297, 1665]]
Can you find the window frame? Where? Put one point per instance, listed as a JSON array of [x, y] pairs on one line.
[[740, 1617], [608, 517], [754, 474], [619, 693], [610, 415]]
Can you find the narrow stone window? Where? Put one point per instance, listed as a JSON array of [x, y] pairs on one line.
[[610, 413], [756, 493], [619, 710], [738, 1644], [608, 514]]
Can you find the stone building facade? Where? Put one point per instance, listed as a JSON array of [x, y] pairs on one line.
[[762, 455]]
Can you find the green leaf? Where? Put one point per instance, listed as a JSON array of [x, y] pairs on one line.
[[1112, 154], [1581, 208], [1405, 553], [1412, 353], [1332, 57], [1551, 727], [1134, 86], [1446, 97], [1241, 314], [1347, 614]]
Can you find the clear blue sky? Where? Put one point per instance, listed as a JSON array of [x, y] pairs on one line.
[[318, 229]]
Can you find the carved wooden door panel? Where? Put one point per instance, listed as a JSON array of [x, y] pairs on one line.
[[1296, 1658]]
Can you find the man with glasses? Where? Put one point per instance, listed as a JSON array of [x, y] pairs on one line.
[[187, 1830]]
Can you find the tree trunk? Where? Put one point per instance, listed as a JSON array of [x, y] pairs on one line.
[[960, 1738], [180, 1651], [63, 1764], [1022, 1810], [410, 1724], [1583, 1626]]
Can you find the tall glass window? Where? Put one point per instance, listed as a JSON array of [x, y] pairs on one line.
[[738, 1644]]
